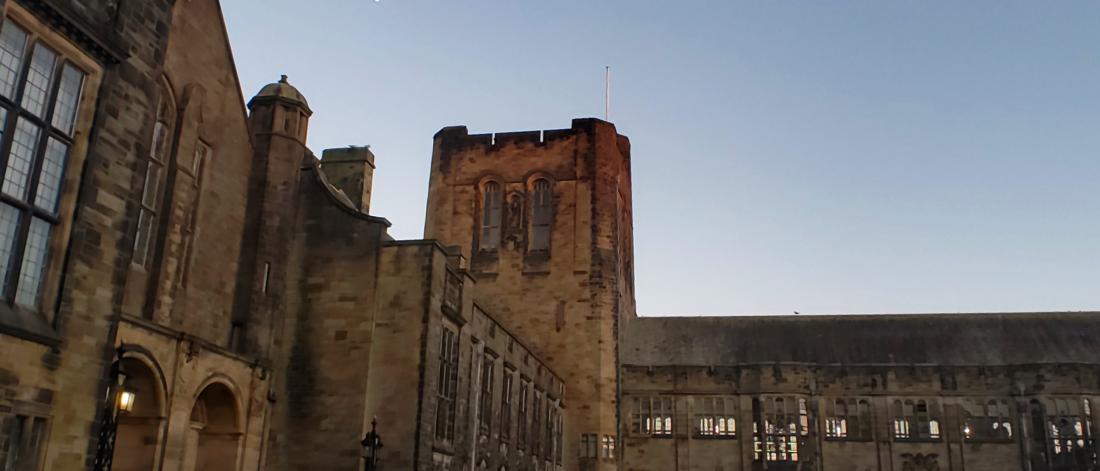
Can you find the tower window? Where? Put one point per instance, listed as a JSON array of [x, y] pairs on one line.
[[542, 204], [490, 216]]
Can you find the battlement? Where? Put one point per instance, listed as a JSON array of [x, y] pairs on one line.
[[459, 137]]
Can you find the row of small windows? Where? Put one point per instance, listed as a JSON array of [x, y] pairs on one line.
[[493, 215], [780, 424], [538, 421]]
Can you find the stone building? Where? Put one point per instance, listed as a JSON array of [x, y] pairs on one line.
[[188, 286]]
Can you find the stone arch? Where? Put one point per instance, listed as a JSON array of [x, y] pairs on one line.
[[140, 435], [215, 431]]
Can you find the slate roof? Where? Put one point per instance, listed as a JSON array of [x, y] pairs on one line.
[[909, 339]]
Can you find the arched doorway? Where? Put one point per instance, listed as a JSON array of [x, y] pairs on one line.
[[139, 430], [214, 435]]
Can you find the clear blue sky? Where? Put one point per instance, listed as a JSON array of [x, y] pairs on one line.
[[824, 157]]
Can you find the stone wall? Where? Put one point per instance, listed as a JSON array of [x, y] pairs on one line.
[[954, 396], [567, 301]]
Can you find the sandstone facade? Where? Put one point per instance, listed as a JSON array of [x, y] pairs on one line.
[[187, 286]]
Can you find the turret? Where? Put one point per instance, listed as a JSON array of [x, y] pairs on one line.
[[278, 121], [280, 108]]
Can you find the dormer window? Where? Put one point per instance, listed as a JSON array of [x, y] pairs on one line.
[[542, 204], [490, 216]]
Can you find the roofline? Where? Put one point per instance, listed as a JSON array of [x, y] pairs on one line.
[[969, 315]]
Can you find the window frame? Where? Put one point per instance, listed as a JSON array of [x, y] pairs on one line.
[[490, 215], [718, 414], [38, 322], [447, 389], [780, 444], [910, 424], [653, 416], [541, 189], [852, 414]]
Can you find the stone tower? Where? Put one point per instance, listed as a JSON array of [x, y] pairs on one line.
[[545, 219], [278, 120]]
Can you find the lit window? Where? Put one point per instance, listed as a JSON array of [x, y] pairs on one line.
[[714, 417], [542, 203], [780, 427], [986, 420], [652, 416], [848, 419], [1069, 429], [607, 451], [37, 118], [490, 216], [914, 420]]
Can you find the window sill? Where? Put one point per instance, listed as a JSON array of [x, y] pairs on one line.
[[983, 441], [714, 437], [917, 440], [27, 325], [851, 439]]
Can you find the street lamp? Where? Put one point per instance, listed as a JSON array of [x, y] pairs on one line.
[[118, 400], [371, 444]]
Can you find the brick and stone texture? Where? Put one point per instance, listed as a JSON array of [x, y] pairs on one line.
[[1038, 369], [428, 296], [568, 303]]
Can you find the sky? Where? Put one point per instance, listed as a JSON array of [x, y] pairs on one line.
[[819, 157]]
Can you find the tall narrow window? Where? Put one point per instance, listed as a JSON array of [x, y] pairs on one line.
[[521, 425], [447, 385], [506, 406], [37, 120], [485, 399], [536, 426], [151, 194], [490, 216], [542, 209], [190, 225]]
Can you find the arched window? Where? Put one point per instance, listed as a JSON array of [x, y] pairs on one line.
[[490, 216], [542, 211], [151, 195]]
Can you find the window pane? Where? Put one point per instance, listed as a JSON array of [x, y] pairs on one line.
[[20, 159], [9, 225], [49, 180], [39, 78], [12, 42], [141, 242], [68, 95], [152, 186], [34, 262]]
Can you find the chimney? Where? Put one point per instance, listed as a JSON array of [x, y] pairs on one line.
[[351, 170]]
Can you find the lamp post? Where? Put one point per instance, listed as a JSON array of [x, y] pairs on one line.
[[119, 400], [371, 444]]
